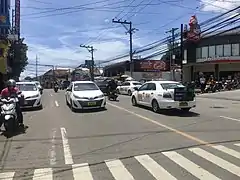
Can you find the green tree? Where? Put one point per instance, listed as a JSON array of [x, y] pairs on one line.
[[18, 58]]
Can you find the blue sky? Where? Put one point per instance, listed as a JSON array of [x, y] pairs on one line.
[[54, 29]]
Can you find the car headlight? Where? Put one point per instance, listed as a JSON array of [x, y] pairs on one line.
[[101, 96]]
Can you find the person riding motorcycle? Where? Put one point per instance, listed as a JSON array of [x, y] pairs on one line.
[[10, 90], [111, 86]]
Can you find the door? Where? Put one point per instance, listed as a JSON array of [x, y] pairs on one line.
[[142, 93], [149, 94]]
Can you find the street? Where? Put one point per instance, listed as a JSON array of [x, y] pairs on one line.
[[124, 143]]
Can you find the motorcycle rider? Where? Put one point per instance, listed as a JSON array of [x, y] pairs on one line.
[[10, 90], [111, 86]]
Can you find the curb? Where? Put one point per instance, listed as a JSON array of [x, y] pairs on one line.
[[222, 98]]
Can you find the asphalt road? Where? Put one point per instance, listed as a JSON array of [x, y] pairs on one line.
[[125, 143]]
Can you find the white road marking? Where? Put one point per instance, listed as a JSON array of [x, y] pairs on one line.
[[43, 174], [154, 168], [52, 152], [237, 144], [56, 103], [81, 171], [229, 118], [191, 167], [163, 125], [216, 160], [7, 175], [66, 147], [118, 170], [229, 151]]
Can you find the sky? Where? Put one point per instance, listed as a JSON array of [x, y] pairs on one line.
[[54, 30]]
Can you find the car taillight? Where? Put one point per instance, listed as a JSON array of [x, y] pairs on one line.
[[167, 95]]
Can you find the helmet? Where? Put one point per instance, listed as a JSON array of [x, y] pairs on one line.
[[11, 83]]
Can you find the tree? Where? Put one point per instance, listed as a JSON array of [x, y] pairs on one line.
[[18, 58]]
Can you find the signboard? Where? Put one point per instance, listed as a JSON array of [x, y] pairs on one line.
[[194, 32], [150, 66], [4, 20], [17, 16], [88, 63], [219, 59]]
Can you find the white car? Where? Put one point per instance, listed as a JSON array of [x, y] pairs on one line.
[[39, 86], [128, 87], [84, 95], [163, 95], [31, 93]]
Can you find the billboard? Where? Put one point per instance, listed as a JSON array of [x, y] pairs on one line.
[[150, 66], [17, 17]]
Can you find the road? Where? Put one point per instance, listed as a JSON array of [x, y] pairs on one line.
[[124, 143]]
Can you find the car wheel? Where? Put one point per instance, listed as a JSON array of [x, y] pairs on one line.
[[134, 101], [185, 109], [129, 92], [155, 106]]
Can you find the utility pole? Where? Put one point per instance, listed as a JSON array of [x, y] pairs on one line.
[[91, 50], [182, 53], [130, 31], [172, 58], [36, 67]]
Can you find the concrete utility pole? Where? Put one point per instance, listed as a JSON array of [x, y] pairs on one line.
[[36, 67], [182, 53], [130, 31], [172, 58], [90, 49]]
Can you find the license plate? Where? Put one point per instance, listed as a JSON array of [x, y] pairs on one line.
[[92, 103], [183, 104]]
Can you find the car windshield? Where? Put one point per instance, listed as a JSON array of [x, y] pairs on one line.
[[27, 87], [85, 87], [137, 83], [171, 85]]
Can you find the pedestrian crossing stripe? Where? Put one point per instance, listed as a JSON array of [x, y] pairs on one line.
[[120, 172]]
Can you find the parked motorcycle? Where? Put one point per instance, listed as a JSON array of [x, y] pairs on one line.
[[9, 114]]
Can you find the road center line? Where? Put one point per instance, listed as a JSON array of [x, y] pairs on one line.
[[56, 103], [66, 148], [164, 126], [52, 152], [229, 118]]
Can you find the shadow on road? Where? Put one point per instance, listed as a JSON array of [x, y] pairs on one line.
[[20, 130]]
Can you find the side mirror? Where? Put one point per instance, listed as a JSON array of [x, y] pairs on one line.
[[135, 88]]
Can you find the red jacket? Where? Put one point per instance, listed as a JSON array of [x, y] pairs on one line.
[[6, 92]]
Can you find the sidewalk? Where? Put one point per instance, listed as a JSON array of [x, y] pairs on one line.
[[233, 95]]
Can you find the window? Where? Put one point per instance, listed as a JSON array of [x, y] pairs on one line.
[[204, 52], [137, 83], [198, 53], [143, 87], [152, 86], [85, 87], [171, 85], [219, 50], [212, 52], [227, 50], [235, 49], [27, 87], [126, 84]]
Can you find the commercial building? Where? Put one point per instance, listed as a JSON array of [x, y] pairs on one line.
[[217, 55]]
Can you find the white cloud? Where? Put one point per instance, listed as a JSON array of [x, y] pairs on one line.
[[219, 5]]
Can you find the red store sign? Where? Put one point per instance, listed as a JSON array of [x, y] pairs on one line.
[[150, 65]]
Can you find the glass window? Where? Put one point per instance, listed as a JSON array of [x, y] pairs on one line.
[[171, 85], [219, 50], [85, 87], [235, 49], [144, 87], [212, 52], [204, 52], [152, 86], [27, 87], [137, 83], [227, 49], [198, 53]]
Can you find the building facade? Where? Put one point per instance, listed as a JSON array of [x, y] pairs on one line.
[[217, 55]]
